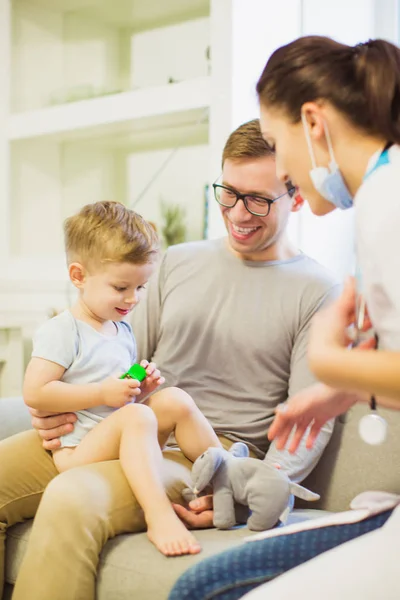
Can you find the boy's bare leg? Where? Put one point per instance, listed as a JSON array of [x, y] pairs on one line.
[[131, 434], [177, 412]]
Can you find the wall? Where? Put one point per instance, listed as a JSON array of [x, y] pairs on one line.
[[177, 52], [181, 183]]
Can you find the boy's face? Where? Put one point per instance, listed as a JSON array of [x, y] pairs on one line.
[[111, 291]]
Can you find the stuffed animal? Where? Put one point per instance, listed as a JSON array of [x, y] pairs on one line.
[[242, 484]]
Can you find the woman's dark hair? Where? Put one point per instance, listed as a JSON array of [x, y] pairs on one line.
[[362, 81]]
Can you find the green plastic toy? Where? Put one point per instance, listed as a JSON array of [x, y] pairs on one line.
[[135, 372]]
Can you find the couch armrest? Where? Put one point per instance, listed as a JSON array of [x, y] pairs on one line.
[[14, 417]]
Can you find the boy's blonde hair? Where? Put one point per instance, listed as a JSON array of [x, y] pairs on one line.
[[109, 232]]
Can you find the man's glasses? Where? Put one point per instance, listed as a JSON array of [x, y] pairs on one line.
[[259, 206]]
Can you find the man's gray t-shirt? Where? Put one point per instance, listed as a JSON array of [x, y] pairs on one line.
[[233, 334]]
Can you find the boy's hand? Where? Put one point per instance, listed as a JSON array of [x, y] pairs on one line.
[[117, 392], [153, 379]]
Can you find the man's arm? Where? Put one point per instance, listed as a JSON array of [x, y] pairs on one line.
[[302, 382]]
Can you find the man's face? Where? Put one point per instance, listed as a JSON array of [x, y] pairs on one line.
[[250, 236]]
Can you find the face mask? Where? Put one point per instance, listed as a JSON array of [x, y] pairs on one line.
[[328, 181]]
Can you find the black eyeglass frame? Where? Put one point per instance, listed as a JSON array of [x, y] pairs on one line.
[[243, 197]]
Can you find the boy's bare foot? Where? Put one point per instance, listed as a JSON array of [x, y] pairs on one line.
[[170, 536]]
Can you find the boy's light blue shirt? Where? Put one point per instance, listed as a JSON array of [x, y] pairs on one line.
[[88, 356]]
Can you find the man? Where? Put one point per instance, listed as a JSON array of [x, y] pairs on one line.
[[227, 320]]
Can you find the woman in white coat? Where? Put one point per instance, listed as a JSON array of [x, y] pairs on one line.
[[332, 113]]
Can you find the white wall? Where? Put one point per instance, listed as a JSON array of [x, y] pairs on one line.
[[243, 34], [56, 55], [178, 51], [37, 55], [89, 174], [36, 200], [91, 55], [182, 183]]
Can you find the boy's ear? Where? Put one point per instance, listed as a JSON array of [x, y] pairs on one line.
[[77, 274]]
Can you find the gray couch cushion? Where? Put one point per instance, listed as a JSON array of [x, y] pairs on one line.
[[17, 417], [349, 466], [130, 566]]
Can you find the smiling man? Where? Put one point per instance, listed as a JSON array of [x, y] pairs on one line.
[[248, 165], [227, 320]]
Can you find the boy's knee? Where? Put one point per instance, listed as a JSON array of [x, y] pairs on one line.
[[175, 401], [139, 415]]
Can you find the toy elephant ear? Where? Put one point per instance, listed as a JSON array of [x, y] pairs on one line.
[[302, 492], [239, 450], [205, 467]]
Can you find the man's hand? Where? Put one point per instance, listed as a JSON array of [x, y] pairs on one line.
[[312, 407], [50, 426], [199, 515]]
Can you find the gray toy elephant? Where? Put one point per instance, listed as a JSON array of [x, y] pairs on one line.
[[242, 485]]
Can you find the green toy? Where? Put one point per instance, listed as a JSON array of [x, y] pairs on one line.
[[135, 372]]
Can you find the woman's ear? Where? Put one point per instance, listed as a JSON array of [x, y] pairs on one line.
[[77, 274], [313, 118]]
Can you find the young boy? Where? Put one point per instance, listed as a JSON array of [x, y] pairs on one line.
[[78, 356]]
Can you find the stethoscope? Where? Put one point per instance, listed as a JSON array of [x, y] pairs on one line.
[[372, 428]]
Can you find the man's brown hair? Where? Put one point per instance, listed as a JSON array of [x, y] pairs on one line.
[[246, 142], [109, 232]]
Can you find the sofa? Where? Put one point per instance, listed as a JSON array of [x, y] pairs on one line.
[[129, 562]]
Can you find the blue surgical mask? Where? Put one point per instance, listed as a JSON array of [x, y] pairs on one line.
[[328, 181]]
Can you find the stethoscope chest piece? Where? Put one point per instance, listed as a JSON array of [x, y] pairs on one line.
[[373, 429]]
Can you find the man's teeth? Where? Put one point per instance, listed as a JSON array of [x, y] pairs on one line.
[[244, 230]]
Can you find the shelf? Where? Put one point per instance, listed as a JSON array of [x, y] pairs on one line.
[[162, 106], [137, 15]]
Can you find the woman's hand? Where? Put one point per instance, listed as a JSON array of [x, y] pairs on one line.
[[331, 337], [306, 413]]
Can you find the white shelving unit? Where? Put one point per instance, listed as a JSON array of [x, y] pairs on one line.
[[95, 96], [96, 88], [126, 111]]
